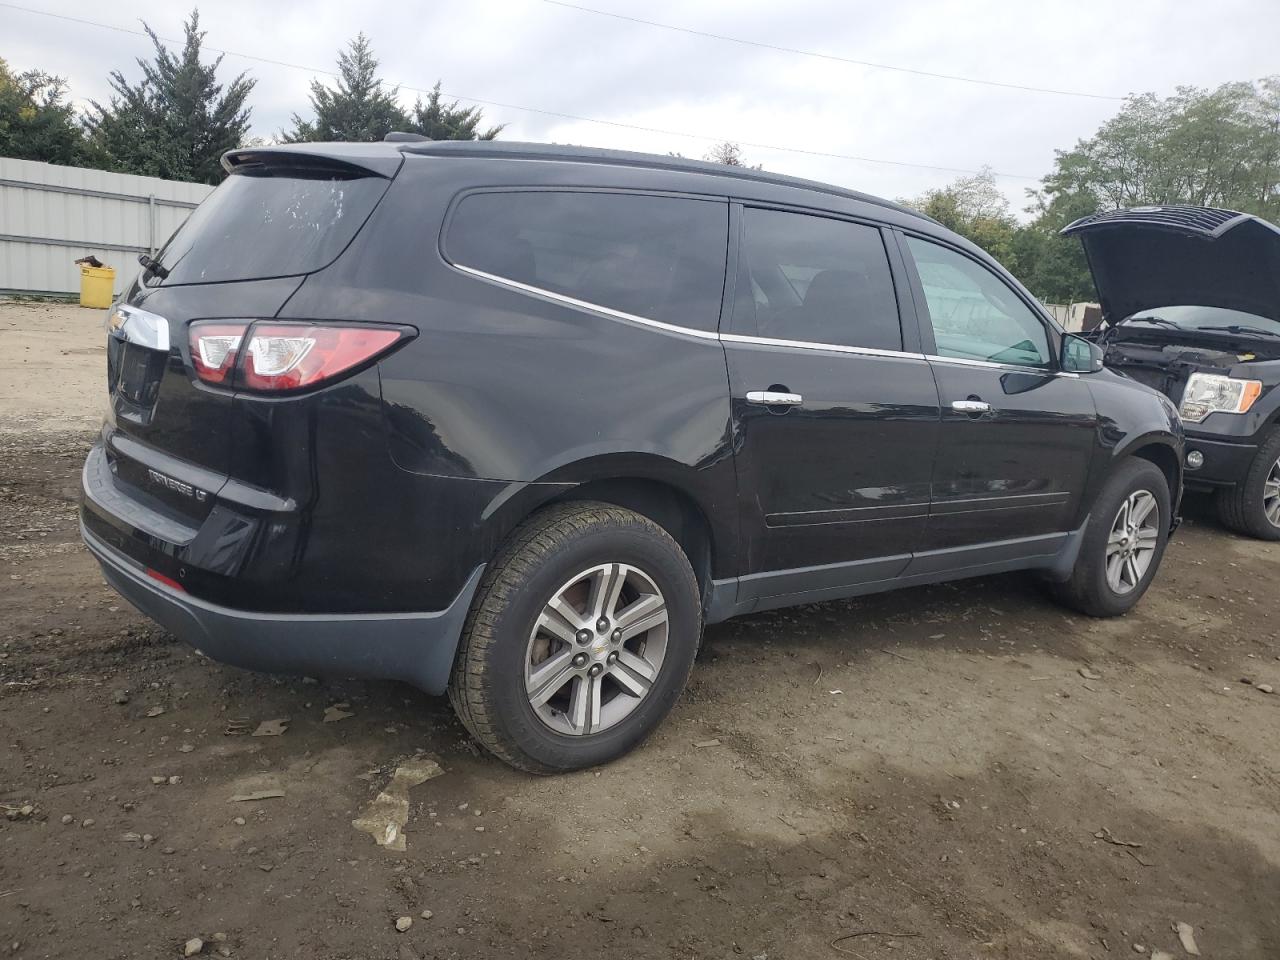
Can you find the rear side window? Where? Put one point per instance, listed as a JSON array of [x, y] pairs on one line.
[[817, 280], [661, 258], [262, 224]]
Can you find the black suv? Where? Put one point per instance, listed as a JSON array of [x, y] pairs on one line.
[[516, 421], [1191, 306]]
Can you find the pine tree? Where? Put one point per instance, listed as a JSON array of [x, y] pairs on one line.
[[448, 121], [360, 109], [35, 121], [177, 121]]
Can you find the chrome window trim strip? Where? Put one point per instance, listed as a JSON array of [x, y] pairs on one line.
[[676, 328], [584, 305], [993, 365], [811, 345], [745, 339]]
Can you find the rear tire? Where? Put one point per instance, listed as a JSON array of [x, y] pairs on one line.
[[566, 659], [1252, 506], [1102, 583]]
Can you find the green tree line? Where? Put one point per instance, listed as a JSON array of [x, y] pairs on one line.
[[177, 118], [1212, 148], [1216, 147]]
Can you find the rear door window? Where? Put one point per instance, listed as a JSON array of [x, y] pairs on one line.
[[658, 258], [260, 224], [816, 280], [976, 315]]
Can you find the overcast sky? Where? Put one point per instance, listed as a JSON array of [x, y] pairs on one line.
[[534, 54]]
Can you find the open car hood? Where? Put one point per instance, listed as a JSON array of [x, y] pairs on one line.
[[1146, 257]]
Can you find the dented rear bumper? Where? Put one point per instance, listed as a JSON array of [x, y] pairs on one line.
[[415, 647]]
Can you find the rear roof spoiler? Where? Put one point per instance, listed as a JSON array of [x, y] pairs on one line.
[[340, 158]]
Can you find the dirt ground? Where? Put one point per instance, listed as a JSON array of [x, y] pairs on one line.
[[952, 772]]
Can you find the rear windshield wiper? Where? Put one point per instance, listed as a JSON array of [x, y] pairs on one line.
[[152, 267], [1249, 331]]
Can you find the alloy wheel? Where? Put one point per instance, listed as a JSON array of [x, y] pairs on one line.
[[1271, 495], [1131, 547], [596, 649]]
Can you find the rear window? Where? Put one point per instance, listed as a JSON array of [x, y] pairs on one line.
[[258, 225], [661, 258]]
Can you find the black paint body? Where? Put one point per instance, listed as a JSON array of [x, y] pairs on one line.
[[379, 498]]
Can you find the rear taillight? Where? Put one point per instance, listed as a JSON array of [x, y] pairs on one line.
[[214, 347], [288, 356], [283, 356]]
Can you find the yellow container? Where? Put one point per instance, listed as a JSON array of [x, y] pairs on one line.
[[97, 286]]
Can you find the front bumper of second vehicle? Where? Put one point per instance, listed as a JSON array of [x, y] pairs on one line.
[[1225, 462]]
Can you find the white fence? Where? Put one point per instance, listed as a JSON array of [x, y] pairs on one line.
[[50, 216], [1073, 316]]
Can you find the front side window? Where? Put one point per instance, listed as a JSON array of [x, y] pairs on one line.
[[814, 279], [659, 258], [975, 315]]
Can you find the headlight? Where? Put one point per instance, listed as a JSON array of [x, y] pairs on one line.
[[1208, 393]]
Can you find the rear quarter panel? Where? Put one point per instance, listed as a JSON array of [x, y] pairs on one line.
[[525, 392]]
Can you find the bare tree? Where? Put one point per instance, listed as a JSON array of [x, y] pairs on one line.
[[730, 154]]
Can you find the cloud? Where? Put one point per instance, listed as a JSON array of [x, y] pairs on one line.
[[534, 54]]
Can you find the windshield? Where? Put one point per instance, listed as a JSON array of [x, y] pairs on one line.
[[262, 224], [1213, 319]]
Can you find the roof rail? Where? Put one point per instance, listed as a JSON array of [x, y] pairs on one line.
[[404, 136], [552, 151]]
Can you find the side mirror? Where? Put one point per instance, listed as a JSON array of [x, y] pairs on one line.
[[1080, 355]]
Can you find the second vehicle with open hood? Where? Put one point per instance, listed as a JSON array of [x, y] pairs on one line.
[[1191, 306]]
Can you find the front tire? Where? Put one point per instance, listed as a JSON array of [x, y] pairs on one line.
[[1252, 507], [1124, 542], [579, 641]]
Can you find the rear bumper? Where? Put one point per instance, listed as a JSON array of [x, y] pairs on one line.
[[414, 647], [1225, 463], [365, 537]]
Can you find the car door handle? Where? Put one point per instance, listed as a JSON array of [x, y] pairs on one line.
[[970, 406], [773, 398]]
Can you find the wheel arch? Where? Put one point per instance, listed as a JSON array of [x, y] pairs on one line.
[[1166, 458], [671, 508], [697, 507]]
